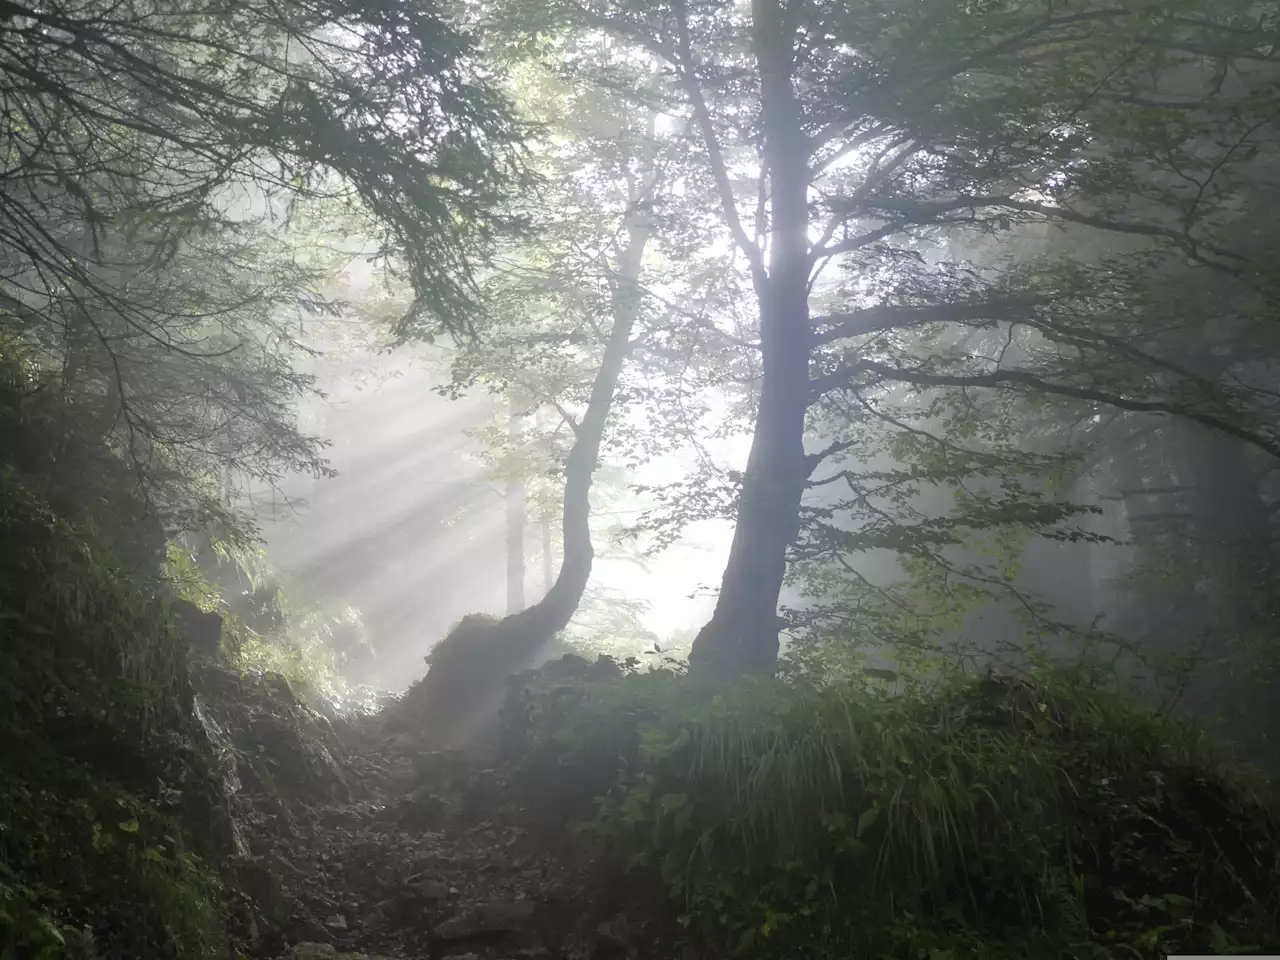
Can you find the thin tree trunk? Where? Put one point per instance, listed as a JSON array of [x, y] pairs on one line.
[[742, 635], [534, 627], [515, 499], [546, 518], [465, 683]]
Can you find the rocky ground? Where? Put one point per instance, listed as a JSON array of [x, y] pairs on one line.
[[356, 842]]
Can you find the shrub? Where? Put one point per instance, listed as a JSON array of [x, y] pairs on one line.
[[984, 819]]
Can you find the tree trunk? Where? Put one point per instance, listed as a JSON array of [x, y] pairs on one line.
[[742, 635], [546, 518], [533, 628], [1209, 527], [465, 685], [1231, 530], [515, 497], [548, 560]]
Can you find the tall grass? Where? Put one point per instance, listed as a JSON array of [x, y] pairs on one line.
[[985, 818]]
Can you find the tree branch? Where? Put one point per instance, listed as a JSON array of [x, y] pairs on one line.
[[879, 319], [1015, 378], [928, 212], [687, 71]]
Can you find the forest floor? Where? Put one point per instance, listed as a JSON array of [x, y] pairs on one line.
[[354, 842], [355, 839]]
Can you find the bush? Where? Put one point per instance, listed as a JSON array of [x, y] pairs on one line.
[[985, 819]]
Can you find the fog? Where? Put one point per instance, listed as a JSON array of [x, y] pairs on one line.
[[412, 529]]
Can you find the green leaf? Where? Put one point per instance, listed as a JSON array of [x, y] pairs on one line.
[[672, 802], [867, 820]]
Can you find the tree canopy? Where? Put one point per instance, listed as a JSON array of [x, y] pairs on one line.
[[180, 180]]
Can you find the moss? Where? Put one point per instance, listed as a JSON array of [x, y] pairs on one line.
[[110, 807]]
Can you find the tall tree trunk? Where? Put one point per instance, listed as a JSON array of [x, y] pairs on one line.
[[515, 497], [1231, 530], [546, 518], [742, 635]]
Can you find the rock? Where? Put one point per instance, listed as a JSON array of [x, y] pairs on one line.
[[313, 951], [280, 746], [255, 878], [484, 791], [423, 811], [203, 629], [514, 717], [311, 930], [439, 767], [336, 922], [496, 916], [426, 888], [617, 935], [323, 951]]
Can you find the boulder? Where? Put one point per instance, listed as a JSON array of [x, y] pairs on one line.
[[486, 919], [202, 629], [279, 745]]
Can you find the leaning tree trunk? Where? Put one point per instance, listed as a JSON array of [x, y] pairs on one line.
[[465, 684], [531, 629], [742, 635]]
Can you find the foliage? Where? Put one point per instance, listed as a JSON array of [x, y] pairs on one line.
[[43, 438], [111, 805], [281, 103], [975, 818], [184, 182], [307, 644]]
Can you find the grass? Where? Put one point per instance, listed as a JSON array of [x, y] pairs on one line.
[[983, 819]]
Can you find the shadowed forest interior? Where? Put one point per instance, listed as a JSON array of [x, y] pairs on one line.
[[602, 479]]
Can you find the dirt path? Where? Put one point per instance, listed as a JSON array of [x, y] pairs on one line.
[[360, 842]]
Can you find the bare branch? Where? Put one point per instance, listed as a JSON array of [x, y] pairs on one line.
[[879, 319], [687, 69], [1022, 378]]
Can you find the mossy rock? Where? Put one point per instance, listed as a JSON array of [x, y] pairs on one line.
[[280, 746]]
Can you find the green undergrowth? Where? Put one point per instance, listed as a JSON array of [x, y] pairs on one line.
[[110, 811], [299, 646], [992, 819]]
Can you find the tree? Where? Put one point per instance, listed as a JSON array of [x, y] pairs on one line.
[[162, 164], [514, 494], [876, 127], [557, 334]]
